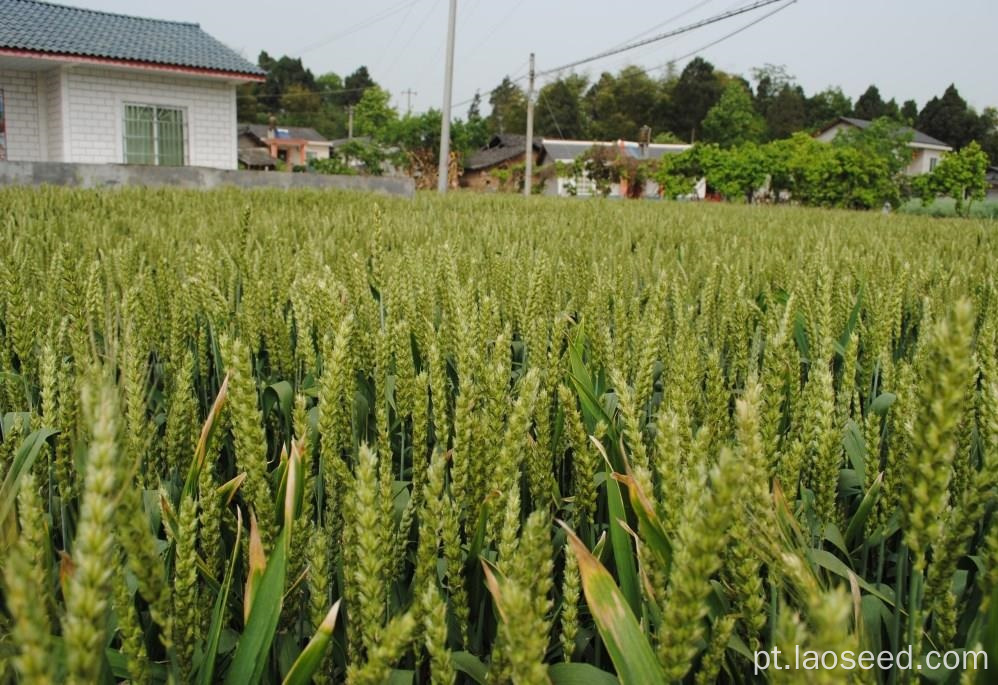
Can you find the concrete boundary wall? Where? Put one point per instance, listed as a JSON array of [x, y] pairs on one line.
[[116, 175]]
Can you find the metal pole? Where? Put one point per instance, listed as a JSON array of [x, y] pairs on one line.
[[529, 158], [444, 168], [409, 92]]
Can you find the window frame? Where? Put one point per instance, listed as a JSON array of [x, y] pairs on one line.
[[157, 134]]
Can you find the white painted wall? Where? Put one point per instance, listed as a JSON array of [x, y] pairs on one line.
[[921, 161], [96, 101], [23, 118], [76, 114], [50, 83]]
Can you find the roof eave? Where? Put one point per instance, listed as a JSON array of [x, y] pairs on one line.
[[930, 146], [69, 58]]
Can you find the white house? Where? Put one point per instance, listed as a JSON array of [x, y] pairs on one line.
[[79, 85], [926, 151], [567, 151]]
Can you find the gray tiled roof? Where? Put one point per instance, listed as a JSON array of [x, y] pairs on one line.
[[501, 148], [565, 150], [917, 137], [299, 132], [46, 27], [256, 157]]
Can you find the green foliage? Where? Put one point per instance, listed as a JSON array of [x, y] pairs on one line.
[[373, 114], [694, 93], [884, 138], [959, 175], [509, 108], [733, 121]]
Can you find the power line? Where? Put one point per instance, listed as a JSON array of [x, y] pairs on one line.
[[724, 37], [664, 23], [495, 28], [415, 33], [360, 26], [395, 33], [661, 36], [540, 95]]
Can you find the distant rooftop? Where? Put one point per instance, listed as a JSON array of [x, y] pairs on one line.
[[500, 148], [44, 27], [290, 132], [569, 150], [916, 136]]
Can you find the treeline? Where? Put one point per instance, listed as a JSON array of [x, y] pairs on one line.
[[859, 169], [700, 103]]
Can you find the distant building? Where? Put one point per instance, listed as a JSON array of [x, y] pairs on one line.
[[77, 85], [485, 169], [293, 145], [926, 151], [566, 152]]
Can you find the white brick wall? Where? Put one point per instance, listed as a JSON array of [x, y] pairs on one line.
[[95, 101], [50, 85], [24, 124]]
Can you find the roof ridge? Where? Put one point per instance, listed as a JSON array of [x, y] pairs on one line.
[[109, 14]]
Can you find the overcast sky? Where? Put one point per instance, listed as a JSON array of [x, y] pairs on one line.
[[908, 48]]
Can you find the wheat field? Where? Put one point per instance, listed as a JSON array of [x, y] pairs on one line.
[[310, 437]]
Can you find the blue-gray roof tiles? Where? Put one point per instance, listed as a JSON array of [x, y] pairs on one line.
[[46, 27]]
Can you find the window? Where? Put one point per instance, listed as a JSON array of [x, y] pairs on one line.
[[3, 131], [584, 186], [154, 135], [933, 161]]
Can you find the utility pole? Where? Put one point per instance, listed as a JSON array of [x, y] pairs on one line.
[[529, 159], [443, 170], [408, 92], [349, 121]]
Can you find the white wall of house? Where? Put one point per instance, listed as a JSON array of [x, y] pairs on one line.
[[23, 116], [923, 160], [76, 114], [96, 108]]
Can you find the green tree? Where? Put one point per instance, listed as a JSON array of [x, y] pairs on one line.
[[909, 112], [849, 178], [559, 110], [788, 112], [694, 93], [618, 106], [787, 161], [300, 106], [373, 114], [960, 175], [885, 139], [736, 173], [509, 108], [870, 105], [733, 120], [770, 79], [989, 137], [355, 86], [950, 119], [826, 106]]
